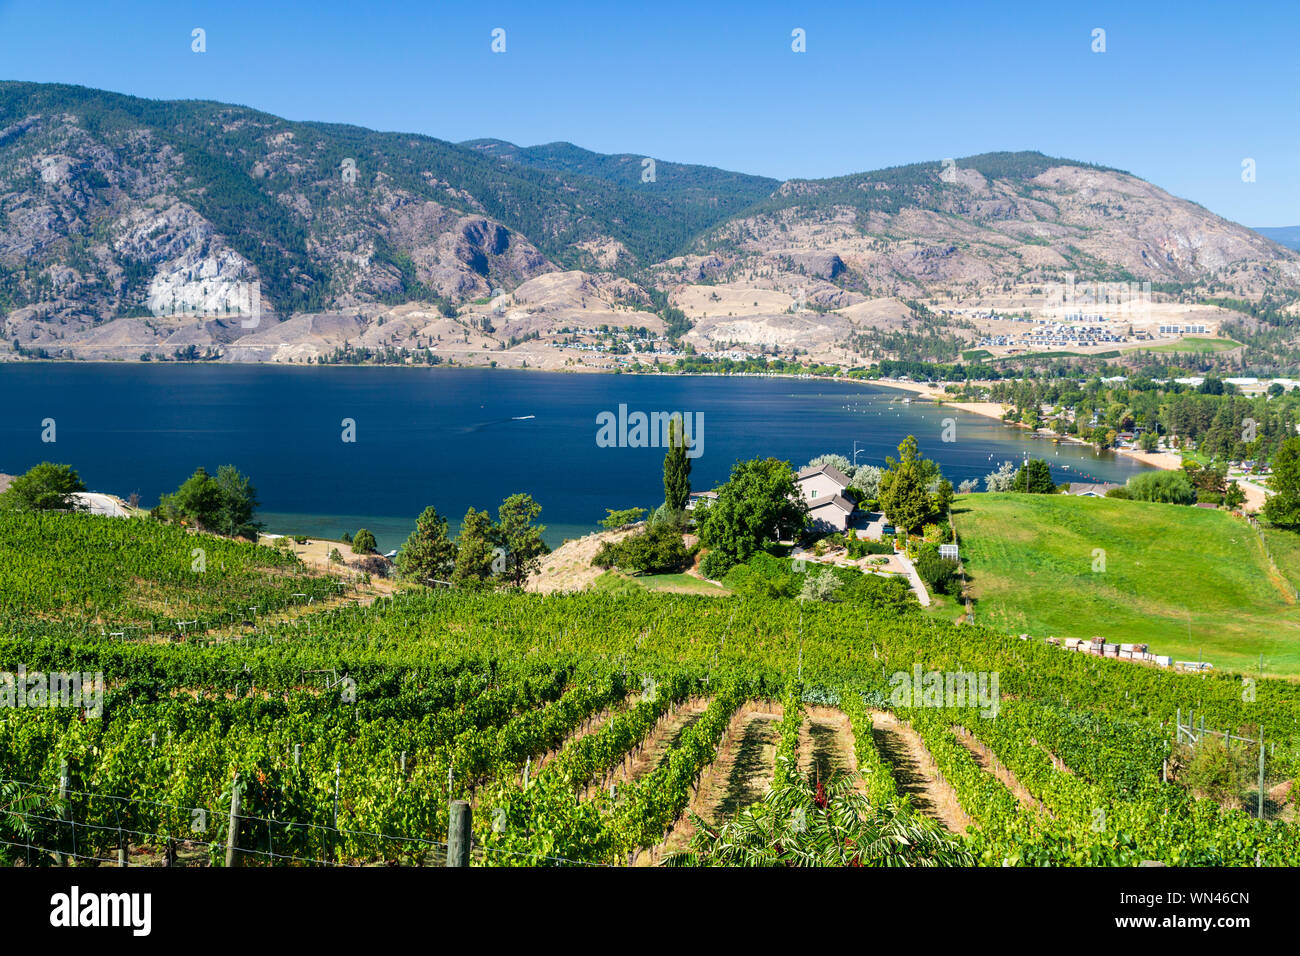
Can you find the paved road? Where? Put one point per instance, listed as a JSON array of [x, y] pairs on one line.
[[98, 504], [918, 586]]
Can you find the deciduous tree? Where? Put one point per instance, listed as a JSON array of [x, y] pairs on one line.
[[45, 487]]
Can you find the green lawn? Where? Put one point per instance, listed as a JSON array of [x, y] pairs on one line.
[[1196, 344], [1187, 581], [618, 582]]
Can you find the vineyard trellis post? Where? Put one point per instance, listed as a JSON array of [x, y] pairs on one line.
[[459, 833], [232, 836], [1260, 812], [123, 841], [334, 832], [65, 811]]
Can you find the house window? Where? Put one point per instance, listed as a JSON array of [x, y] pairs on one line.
[[814, 493]]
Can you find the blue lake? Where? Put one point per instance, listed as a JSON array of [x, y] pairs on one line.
[[461, 438]]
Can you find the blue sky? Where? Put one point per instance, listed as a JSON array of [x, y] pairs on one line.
[[1184, 92]]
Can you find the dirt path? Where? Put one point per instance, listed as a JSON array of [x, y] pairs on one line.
[[826, 745], [741, 775], [658, 743], [988, 760], [915, 771], [591, 725]]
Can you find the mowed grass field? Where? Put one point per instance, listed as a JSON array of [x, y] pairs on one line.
[[1190, 582], [1194, 344]]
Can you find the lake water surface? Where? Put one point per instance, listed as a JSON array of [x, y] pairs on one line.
[[460, 438]]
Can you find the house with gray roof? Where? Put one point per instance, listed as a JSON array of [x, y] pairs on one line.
[[824, 489]]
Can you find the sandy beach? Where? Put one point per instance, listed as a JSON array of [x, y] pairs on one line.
[[1165, 460], [936, 393]]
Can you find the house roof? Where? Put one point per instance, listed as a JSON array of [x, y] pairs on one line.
[[830, 471], [1085, 488], [838, 501]]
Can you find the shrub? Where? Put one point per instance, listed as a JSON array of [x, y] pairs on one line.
[[363, 542], [763, 576], [670, 518], [657, 550], [820, 586], [939, 574], [1211, 770], [618, 519], [861, 547], [373, 564], [938, 533], [715, 565]]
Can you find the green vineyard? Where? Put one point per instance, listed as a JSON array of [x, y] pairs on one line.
[[139, 576], [582, 728]]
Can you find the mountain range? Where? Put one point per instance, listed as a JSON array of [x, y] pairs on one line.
[[133, 227], [1288, 236]]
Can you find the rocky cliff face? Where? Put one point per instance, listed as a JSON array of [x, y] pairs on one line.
[[924, 233], [130, 227]]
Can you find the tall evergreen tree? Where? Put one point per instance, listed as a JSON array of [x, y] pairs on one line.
[[428, 553], [677, 468], [474, 550], [904, 488], [520, 538], [1035, 478]]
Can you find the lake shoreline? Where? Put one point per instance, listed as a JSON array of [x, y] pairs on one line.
[[1163, 460]]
